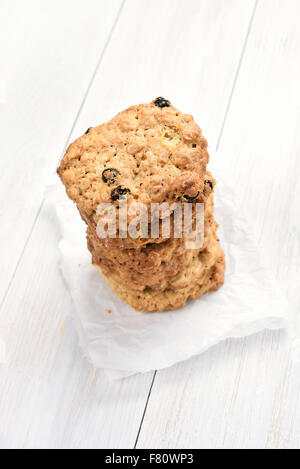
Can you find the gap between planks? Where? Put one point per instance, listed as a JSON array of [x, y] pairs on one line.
[[98, 64], [236, 76]]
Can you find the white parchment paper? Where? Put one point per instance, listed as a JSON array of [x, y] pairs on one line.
[[126, 342]]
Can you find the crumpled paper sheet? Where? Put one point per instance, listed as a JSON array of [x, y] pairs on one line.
[[126, 342]]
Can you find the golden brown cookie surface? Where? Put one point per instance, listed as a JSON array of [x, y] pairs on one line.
[[146, 153], [152, 300]]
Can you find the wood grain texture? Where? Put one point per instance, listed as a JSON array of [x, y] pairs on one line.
[[50, 396], [215, 60], [191, 59], [49, 51], [61, 401], [245, 394]]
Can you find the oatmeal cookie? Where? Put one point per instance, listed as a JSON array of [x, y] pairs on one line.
[[151, 266], [148, 153], [174, 298]]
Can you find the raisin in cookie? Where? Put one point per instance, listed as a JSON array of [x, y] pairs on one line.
[[149, 153]]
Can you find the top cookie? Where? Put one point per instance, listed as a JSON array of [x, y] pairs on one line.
[[147, 153]]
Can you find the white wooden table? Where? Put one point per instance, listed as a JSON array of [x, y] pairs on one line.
[[67, 65]]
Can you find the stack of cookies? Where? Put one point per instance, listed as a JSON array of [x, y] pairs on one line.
[[149, 155]]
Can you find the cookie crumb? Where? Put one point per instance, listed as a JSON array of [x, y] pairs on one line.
[[109, 311]]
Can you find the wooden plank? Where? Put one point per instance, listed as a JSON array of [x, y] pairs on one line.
[[52, 397], [245, 393], [191, 59], [49, 52]]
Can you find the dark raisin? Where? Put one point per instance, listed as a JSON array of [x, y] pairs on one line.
[[208, 182], [88, 130], [110, 175], [162, 102], [119, 193], [191, 199]]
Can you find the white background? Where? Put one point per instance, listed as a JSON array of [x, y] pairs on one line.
[[67, 65]]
